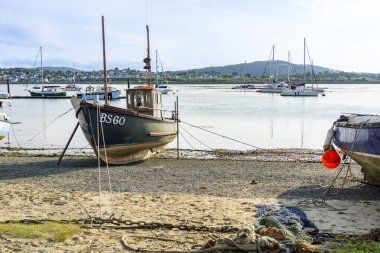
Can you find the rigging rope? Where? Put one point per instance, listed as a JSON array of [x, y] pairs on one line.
[[108, 170], [98, 154], [186, 140]]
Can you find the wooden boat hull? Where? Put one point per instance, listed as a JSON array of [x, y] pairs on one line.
[[122, 135], [362, 143]]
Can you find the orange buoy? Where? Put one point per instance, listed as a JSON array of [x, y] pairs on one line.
[[331, 159]]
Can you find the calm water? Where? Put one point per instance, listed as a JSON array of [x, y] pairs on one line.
[[263, 120]]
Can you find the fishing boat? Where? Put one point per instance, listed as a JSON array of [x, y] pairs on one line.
[[123, 135], [300, 89], [163, 88], [4, 125], [46, 90], [358, 136]]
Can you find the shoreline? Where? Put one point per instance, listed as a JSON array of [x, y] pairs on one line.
[[192, 191]]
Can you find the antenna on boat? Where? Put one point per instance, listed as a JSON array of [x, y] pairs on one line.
[[147, 59], [104, 65]]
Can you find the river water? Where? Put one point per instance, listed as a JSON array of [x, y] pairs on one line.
[[261, 120]]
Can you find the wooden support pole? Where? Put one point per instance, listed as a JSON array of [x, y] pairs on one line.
[[177, 116], [67, 144]]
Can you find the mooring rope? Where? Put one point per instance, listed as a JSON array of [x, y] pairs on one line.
[[43, 129], [186, 140], [221, 135], [195, 138]]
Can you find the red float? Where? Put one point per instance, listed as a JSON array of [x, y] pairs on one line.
[[331, 159]]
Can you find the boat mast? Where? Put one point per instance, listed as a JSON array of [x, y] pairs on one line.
[[104, 65], [156, 68], [304, 61], [74, 74], [273, 63], [245, 71], [42, 71], [288, 66], [147, 59]]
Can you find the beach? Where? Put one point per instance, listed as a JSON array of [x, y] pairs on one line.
[[201, 189]]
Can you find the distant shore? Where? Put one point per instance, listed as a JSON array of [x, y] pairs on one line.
[[213, 82]]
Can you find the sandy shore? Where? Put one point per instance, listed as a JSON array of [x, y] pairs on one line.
[[219, 191]]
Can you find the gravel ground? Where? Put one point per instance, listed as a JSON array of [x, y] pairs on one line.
[[230, 178]]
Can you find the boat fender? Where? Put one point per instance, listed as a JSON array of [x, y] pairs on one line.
[[328, 140]]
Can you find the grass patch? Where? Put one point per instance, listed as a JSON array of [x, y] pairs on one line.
[[55, 231], [357, 247]]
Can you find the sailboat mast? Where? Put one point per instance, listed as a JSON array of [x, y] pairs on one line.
[[304, 60], [147, 59], [245, 71], [74, 74], [41, 70], [104, 65], [156, 68], [288, 66], [273, 62]]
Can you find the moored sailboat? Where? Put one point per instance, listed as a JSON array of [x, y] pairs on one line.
[[300, 89], [273, 86], [46, 90], [122, 135]]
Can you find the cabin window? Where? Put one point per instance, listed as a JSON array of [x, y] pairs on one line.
[[139, 99]]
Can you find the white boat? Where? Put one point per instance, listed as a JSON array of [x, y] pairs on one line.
[[275, 87], [164, 89], [299, 90], [93, 93], [4, 95], [4, 125]]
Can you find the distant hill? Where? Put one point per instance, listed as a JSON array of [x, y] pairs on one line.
[[257, 68], [63, 69]]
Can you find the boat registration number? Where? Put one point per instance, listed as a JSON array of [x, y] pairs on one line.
[[111, 119]]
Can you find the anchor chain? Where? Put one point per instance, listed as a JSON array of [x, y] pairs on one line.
[[128, 224]]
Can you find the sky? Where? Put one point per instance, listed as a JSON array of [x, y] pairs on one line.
[[340, 34]]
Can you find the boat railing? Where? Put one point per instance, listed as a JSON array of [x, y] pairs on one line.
[[161, 111]]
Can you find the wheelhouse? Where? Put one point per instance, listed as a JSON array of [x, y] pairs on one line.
[[145, 99]]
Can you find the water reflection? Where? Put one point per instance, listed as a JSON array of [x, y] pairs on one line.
[[263, 120]]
